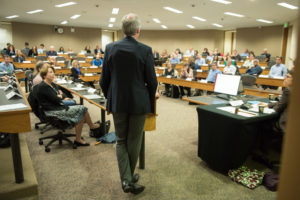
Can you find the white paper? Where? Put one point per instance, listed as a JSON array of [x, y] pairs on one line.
[[27, 61], [203, 81], [90, 57], [189, 79], [81, 61], [169, 76], [79, 85], [204, 65], [91, 90], [236, 103], [241, 112], [60, 61], [88, 74], [263, 67], [94, 67], [221, 65], [63, 81], [57, 67], [12, 107], [78, 89], [92, 96], [199, 70], [2, 87], [70, 81], [278, 77], [263, 76], [12, 94]]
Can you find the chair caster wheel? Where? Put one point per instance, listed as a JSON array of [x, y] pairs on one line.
[[41, 142], [36, 126], [41, 132], [74, 146], [47, 149]]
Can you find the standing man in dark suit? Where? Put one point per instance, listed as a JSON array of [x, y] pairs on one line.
[[129, 83]]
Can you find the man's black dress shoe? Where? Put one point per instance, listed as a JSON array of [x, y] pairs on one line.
[[81, 144], [135, 178], [132, 187]]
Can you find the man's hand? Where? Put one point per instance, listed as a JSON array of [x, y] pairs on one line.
[[157, 95]]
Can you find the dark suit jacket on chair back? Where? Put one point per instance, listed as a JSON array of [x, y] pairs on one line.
[[128, 77]]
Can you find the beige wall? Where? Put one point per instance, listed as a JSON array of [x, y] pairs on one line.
[[5, 34], [256, 39], [36, 34], [184, 40]]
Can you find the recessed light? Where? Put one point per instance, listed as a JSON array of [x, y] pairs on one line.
[[233, 14], [264, 21], [218, 25], [35, 11], [156, 20], [115, 11], [222, 1], [110, 25], [163, 26], [173, 10], [65, 4], [199, 18], [190, 26], [112, 19], [286, 5], [12, 16], [75, 16], [64, 22]]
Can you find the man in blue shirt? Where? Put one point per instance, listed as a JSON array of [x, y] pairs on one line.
[[211, 77], [255, 69], [51, 52], [6, 66], [97, 61], [200, 61], [279, 69], [174, 59]]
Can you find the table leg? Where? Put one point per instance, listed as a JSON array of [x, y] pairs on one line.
[[17, 160], [142, 153], [26, 85], [81, 101], [103, 121]]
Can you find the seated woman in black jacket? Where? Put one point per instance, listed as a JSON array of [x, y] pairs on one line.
[[52, 103], [75, 70]]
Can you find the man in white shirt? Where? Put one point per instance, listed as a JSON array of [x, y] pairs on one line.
[[199, 62], [210, 57], [190, 52], [41, 49], [229, 69]]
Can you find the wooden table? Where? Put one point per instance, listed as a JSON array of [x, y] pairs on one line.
[[259, 92], [90, 78], [15, 122], [270, 81]]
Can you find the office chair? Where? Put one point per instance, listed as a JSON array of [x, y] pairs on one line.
[[271, 63], [261, 58], [248, 80], [41, 58], [60, 58], [89, 54], [72, 55]]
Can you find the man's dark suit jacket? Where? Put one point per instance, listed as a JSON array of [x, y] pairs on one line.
[[96, 51], [128, 77]]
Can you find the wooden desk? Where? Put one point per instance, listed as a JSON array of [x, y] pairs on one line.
[[25, 65], [15, 122], [90, 78], [184, 83], [63, 71], [85, 64], [91, 70], [259, 92], [269, 81]]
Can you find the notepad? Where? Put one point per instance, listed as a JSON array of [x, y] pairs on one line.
[[93, 67], [263, 76], [16, 106], [88, 74], [199, 70], [27, 61], [92, 96]]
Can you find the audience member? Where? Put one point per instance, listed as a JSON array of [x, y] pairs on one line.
[[174, 59], [97, 61], [249, 63], [70, 50], [61, 50], [33, 52], [41, 49], [210, 57], [87, 49], [205, 52], [51, 101], [75, 70], [216, 52], [191, 63], [279, 69], [195, 54], [11, 50], [229, 69], [37, 79], [186, 72], [255, 69], [245, 53], [26, 49], [265, 53], [155, 55], [211, 77], [6, 66], [97, 50], [190, 52], [19, 58], [179, 54], [169, 72], [51, 52], [235, 56], [199, 61]]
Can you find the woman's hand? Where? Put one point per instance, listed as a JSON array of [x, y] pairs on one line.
[[60, 96], [67, 99]]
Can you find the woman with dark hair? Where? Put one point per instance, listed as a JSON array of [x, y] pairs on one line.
[[11, 50], [186, 72], [87, 49], [33, 52], [52, 103], [61, 50]]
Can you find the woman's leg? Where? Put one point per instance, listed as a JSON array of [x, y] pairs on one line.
[[78, 130], [88, 120]]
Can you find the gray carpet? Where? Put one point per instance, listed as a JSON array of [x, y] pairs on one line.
[[173, 169]]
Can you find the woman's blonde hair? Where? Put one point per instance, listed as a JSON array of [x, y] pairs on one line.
[[44, 70]]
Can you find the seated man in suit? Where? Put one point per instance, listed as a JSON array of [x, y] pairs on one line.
[[211, 77], [97, 61], [265, 53], [51, 52], [279, 69], [255, 69], [6, 66], [199, 61], [97, 50]]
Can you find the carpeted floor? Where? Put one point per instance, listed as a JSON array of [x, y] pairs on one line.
[[173, 169]]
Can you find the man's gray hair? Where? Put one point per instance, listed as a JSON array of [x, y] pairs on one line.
[[130, 24]]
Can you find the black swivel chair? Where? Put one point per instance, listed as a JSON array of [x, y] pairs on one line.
[[248, 80], [41, 58]]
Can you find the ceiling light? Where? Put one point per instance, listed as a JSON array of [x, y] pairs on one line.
[[218, 25], [112, 19], [13, 16], [65, 4], [64, 22], [287, 5], [199, 18], [75, 16], [110, 25], [264, 21], [190, 26], [163, 26], [35, 11], [222, 1], [115, 11], [156, 20], [173, 10], [233, 14]]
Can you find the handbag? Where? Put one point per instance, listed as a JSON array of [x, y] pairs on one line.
[[98, 132]]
